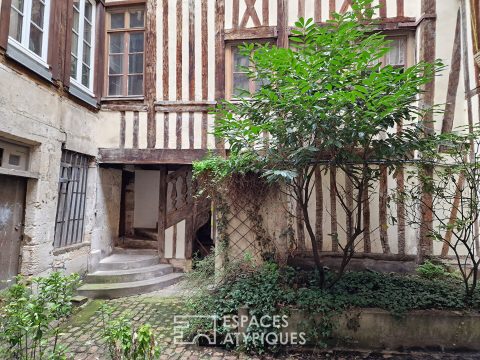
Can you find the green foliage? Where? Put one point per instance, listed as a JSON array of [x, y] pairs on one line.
[[430, 270], [32, 313], [452, 178], [270, 290], [124, 342], [326, 102]]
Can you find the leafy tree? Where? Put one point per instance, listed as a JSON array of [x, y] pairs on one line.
[[327, 103], [454, 185]]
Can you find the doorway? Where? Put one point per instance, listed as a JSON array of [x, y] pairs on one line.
[[12, 210]]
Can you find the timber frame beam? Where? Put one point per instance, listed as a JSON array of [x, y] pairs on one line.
[[151, 156]]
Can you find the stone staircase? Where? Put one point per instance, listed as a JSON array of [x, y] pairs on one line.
[[128, 272]]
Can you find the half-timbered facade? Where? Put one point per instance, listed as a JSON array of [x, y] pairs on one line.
[[108, 101]]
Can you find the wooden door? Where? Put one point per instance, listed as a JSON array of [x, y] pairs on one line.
[[12, 208]]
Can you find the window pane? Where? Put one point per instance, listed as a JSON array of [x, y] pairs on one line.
[[36, 37], [37, 12], [239, 61], [18, 4], [76, 4], [74, 44], [115, 86], [88, 11], [135, 64], [116, 43], [136, 19], [15, 30], [86, 53], [115, 65], [136, 42], [396, 55], [85, 75], [135, 84], [240, 82], [76, 20], [87, 32], [73, 68], [117, 21]]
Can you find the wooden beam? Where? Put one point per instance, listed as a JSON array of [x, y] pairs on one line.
[[262, 32], [179, 51], [99, 57], [162, 212], [333, 209], [301, 9], [166, 69], [189, 237], [124, 3], [250, 12], [204, 34], [5, 22], [235, 13], [400, 8], [453, 79], [191, 50], [317, 12], [204, 130], [282, 24], [265, 13], [151, 156], [178, 130], [367, 243], [332, 8], [427, 54], [319, 208], [151, 70], [191, 130], [136, 125], [383, 8], [220, 50], [122, 129], [383, 208]]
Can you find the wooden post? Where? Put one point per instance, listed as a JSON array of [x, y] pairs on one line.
[[162, 212], [427, 54], [4, 22]]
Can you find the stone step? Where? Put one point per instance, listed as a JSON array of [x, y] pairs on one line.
[[122, 276], [129, 260], [116, 290]]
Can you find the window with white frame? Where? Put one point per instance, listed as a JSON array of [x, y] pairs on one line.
[[83, 37], [29, 21]]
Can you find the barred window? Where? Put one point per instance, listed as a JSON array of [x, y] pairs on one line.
[[72, 190]]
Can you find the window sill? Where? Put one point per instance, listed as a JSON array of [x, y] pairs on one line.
[[66, 249], [83, 95], [122, 98], [22, 56]]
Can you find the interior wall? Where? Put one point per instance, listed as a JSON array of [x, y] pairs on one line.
[[146, 198]]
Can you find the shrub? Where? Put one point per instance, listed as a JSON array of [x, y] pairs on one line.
[[124, 342], [32, 312], [271, 290]]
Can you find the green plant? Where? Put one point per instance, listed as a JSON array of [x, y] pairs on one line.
[[124, 342], [32, 313], [270, 290], [430, 270], [451, 178], [328, 105]]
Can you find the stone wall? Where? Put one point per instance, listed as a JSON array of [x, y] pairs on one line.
[[35, 114]]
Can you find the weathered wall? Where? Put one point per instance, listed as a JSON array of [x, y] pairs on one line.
[[35, 115]]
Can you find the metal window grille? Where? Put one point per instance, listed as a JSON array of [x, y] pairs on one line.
[[71, 199]]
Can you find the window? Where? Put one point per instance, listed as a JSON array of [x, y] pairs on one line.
[[238, 84], [14, 156], [83, 35], [398, 54], [29, 21], [72, 191], [125, 46]]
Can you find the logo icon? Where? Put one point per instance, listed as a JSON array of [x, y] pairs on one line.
[[183, 322]]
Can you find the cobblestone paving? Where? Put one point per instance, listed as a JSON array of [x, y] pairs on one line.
[[82, 334]]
